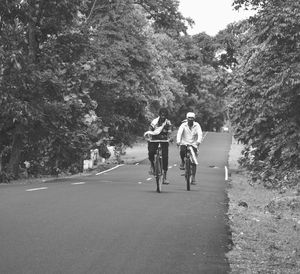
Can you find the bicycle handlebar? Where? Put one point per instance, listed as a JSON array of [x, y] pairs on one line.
[[159, 141], [191, 145]]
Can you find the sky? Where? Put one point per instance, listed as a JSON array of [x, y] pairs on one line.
[[211, 16]]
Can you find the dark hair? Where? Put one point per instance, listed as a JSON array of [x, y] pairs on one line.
[[163, 110]]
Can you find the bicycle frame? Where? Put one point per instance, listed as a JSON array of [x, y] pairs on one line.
[[158, 164]]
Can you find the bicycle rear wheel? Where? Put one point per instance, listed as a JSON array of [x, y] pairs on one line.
[[158, 173], [188, 174]]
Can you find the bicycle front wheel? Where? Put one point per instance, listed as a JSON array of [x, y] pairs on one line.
[[188, 174]]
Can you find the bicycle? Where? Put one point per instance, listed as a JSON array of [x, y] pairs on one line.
[[190, 165], [158, 172]]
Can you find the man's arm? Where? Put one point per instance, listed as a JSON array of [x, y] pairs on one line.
[[153, 123], [199, 133], [179, 134]]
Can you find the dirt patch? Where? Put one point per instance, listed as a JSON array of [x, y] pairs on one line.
[[265, 226]]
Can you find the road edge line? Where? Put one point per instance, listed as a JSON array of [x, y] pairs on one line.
[[226, 173], [35, 189], [109, 169]]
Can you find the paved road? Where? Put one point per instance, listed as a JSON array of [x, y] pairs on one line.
[[116, 223]]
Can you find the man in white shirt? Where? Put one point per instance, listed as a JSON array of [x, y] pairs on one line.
[[189, 133]]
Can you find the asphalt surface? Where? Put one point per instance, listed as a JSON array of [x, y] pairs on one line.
[[115, 222]]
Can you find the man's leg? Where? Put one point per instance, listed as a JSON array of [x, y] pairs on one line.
[[151, 152], [165, 161], [194, 168], [182, 156]]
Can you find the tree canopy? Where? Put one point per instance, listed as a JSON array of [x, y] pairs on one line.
[[265, 92], [74, 73]]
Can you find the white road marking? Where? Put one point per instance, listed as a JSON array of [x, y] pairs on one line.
[[170, 166], [148, 179], [79, 183], [175, 164], [34, 189], [109, 169], [226, 173], [139, 183], [137, 164]]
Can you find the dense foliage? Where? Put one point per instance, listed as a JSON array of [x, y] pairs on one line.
[[204, 80], [76, 72], [41, 98], [265, 92]]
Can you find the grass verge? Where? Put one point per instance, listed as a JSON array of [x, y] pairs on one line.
[[265, 225]]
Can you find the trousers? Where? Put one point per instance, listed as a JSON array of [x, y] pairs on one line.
[[152, 148]]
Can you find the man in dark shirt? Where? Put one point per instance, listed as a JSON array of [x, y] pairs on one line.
[[160, 129]]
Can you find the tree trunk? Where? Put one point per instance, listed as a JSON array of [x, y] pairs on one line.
[[17, 142], [17, 145]]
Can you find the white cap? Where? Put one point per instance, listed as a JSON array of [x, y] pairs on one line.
[[190, 115]]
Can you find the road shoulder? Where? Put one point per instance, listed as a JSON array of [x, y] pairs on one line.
[[265, 224]]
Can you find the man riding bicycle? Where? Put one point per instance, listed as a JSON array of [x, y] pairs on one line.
[[189, 133], [160, 129]]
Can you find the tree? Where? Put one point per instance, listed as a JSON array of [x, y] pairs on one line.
[[165, 16], [75, 71], [265, 110], [203, 82], [40, 102], [135, 66]]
